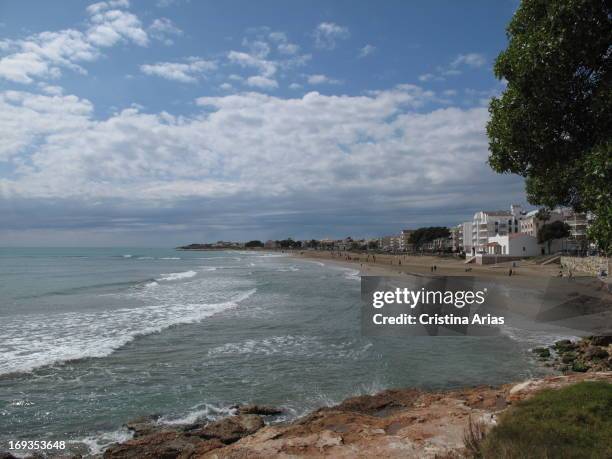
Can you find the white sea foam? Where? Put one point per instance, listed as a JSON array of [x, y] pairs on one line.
[[96, 444], [170, 258], [145, 258], [33, 341], [177, 276], [205, 412], [352, 274], [289, 345]]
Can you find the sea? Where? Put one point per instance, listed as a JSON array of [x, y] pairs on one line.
[[92, 338]]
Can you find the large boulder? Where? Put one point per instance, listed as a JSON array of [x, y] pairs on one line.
[[143, 425], [230, 429], [161, 445]]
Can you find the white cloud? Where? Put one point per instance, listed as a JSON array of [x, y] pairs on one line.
[[367, 50], [226, 87], [282, 43], [185, 72], [470, 60], [262, 82], [295, 86], [456, 66], [162, 28], [265, 67], [112, 26], [249, 144], [44, 54], [321, 79], [288, 48], [327, 34]]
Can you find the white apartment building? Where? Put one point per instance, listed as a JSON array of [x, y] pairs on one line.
[[466, 241], [487, 224], [514, 245], [404, 243], [531, 224]]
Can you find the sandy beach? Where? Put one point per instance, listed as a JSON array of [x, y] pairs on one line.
[[385, 264]]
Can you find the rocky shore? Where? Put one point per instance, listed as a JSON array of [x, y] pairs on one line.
[[585, 355], [394, 423]]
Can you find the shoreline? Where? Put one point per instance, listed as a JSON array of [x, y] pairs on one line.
[[394, 423]]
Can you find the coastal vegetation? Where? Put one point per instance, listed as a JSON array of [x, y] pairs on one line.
[[553, 124], [573, 422]]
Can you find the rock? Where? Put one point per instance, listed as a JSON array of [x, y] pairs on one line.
[[595, 352], [231, 429], [568, 357], [542, 352], [601, 340], [160, 445], [262, 410], [6, 455], [381, 404], [565, 345], [143, 425]]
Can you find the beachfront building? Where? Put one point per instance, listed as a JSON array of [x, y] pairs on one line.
[[457, 238], [487, 224], [441, 244], [466, 235], [513, 245], [531, 223], [404, 243], [390, 243], [578, 225]]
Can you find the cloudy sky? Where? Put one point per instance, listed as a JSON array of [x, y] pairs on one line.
[[155, 123]]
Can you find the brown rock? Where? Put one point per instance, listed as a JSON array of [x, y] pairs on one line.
[[160, 445], [381, 404], [230, 429], [601, 340], [143, 425]]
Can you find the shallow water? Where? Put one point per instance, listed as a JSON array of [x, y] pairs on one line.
[[90, 338]]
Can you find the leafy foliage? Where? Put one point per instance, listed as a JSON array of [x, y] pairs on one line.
[[254, 244], [553, 122], [554, 230], [424, 235]]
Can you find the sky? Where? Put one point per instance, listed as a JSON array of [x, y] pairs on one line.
[[164, 122]]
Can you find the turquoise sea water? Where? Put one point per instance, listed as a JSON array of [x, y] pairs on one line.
[[90, 338]]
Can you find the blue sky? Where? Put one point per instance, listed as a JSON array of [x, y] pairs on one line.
[[158, 123]]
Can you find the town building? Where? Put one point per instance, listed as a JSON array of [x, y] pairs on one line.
[[487, 224]]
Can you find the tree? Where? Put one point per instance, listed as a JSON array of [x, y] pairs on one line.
[[424, 235], [551, 231], [254, 244], [553, 122]]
